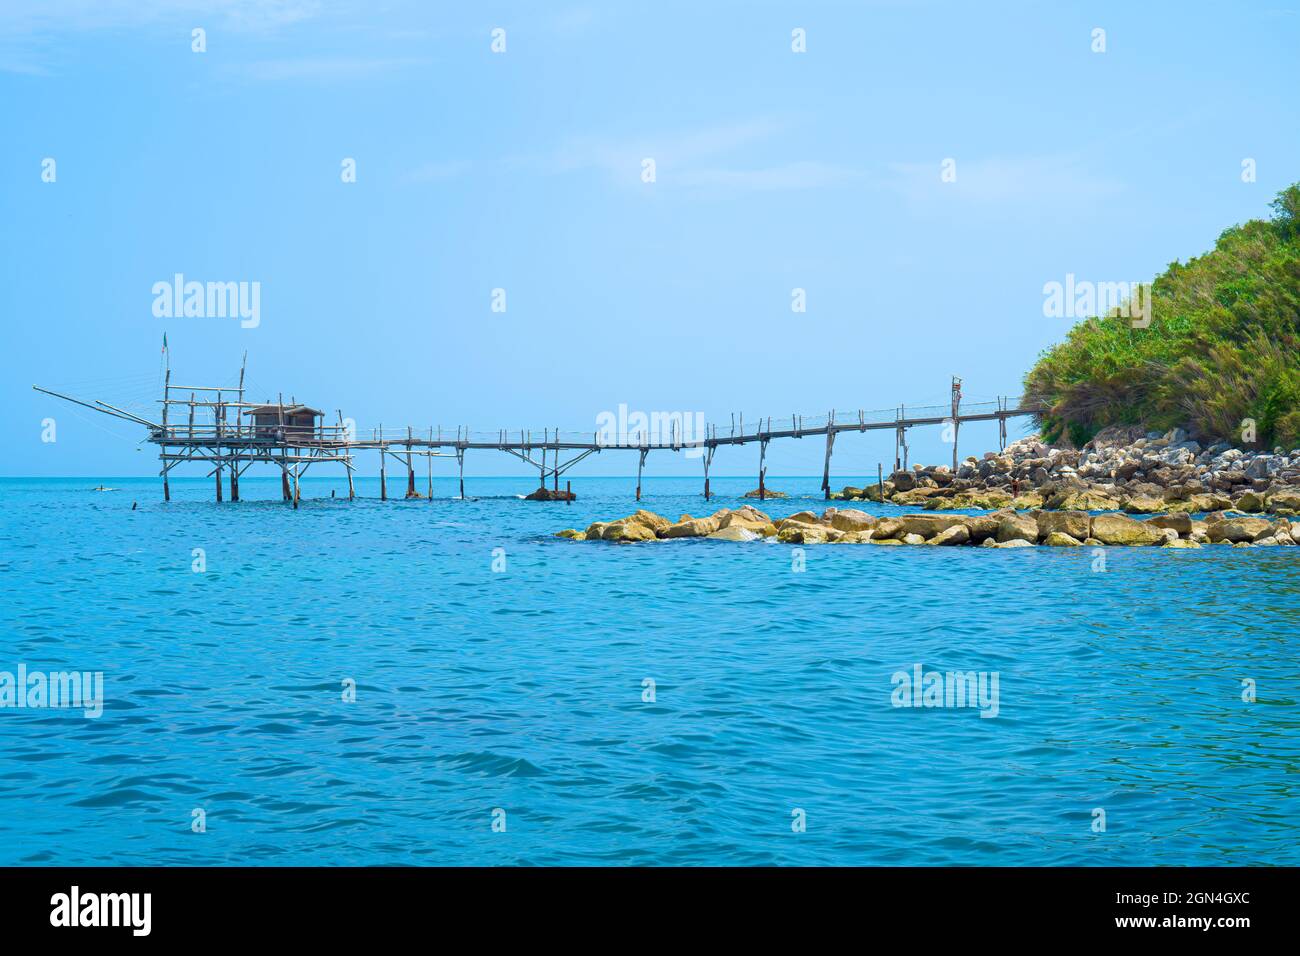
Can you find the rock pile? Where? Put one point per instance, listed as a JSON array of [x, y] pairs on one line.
[[1000, 529], [1119, 470]]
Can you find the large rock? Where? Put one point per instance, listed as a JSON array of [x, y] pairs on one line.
[[798, 533], [1014, 526], [1073, 523], [887, 528], [1182, 523], [734, 533], [692, 528], [572, 534], [626, 529], [1013, 543], [917, 496], [1027, 501], [1083, 501], [851, 519], [980, 527], [1123, 530], [654, 522], [957, 534], [927, 526], [1284, 502], [1144, 505], [1059, 539], [989, 500], [800, 517], [1251, 502], [1239, 529]]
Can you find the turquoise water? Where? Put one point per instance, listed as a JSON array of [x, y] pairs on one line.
[[522, 689]]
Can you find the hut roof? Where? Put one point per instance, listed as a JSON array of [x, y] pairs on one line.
[[286, 409]]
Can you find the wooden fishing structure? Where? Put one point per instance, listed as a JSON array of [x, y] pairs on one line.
[[217, 427]]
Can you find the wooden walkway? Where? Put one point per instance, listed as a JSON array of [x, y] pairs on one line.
[[276, 435]]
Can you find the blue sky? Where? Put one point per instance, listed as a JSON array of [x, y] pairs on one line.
[[522, 170]]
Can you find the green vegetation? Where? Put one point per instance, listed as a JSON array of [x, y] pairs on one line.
[[1223, 346]]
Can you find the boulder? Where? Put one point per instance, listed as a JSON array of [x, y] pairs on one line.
[[799, 533], [1181, 523], [1027, 501], [1015, 526], [572, 534], [980, 527], [851, 519], [1181, 543], [734, 533], [917, 496], [1251, 502], [1238, 530], [1013, 543], [887, 528], [1143, 505], [1072, 523], [1284, 502], [692, 528], [927, 526], [909, 538], [626, 529], [1059, 539], [1123, 530], [957, 534], [595, 530], [989, 500]]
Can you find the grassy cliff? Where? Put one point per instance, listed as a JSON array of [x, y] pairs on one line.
[[1223, 346]]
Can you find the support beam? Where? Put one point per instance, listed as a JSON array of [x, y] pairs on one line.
[[639, 466], [762, 469], [826, 468]]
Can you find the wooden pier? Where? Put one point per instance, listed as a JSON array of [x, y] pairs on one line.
[[217, 427]]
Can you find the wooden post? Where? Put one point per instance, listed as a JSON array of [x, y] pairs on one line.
[[216, 421], [351, 491], [708, 460], [297, 494], [568, 492], [880, 482], [383, 470], [460, 461], [826, 468], [639, 466], [284, 482], [429, 458], [956, 422], [762, 468], [167, 492], [234, 481], [410, 468]]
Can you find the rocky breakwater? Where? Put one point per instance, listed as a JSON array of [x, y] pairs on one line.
[[1119, 470], [1000, 529]]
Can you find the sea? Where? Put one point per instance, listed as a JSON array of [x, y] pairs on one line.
[[445, 682]]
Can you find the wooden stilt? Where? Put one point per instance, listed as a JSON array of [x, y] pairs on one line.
[[826, 467], [762, 469], [284, 482], [639, 466], [383, 473], [167, 492], [218, 474], [234, 481], [460, 462], [568, 492], [297, 493]]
